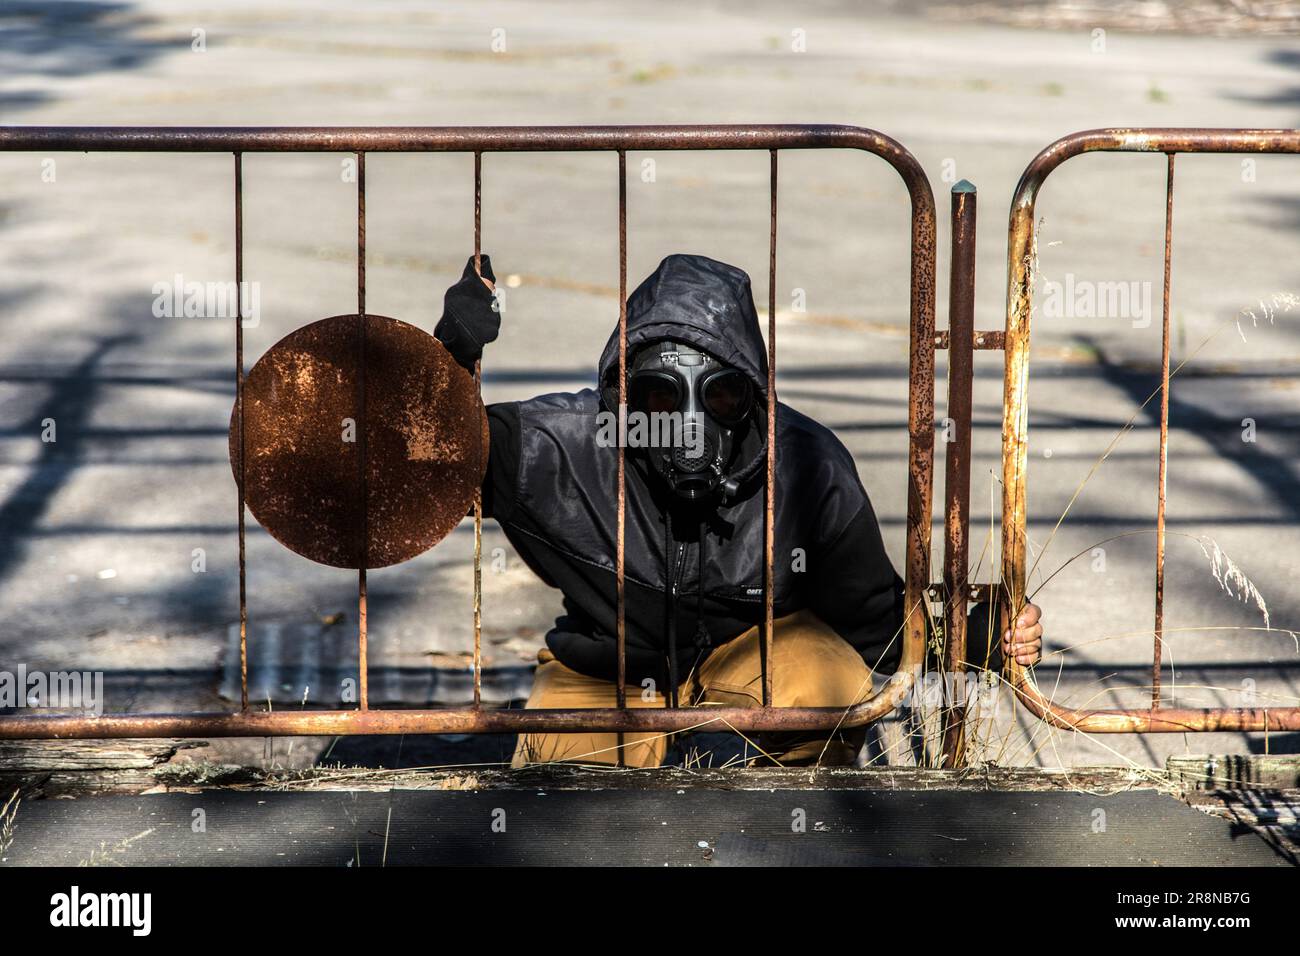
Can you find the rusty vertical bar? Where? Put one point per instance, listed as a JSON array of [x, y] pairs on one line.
[[239, 418], [920, 432], [957, 461], [769, 516], [362, 602], [1164, 439], [478, 211], [1021, 264], [622, 426], [478, 495]]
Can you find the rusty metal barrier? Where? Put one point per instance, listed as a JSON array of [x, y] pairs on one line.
[[480, 140], [1015, 425]]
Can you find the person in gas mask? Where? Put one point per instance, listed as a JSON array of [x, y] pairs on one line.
[[695, 526]]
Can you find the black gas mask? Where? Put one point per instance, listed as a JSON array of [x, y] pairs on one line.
[[699, 405]]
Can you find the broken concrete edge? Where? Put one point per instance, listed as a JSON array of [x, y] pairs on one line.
[[563, 777], [76, 768], [35, 770], [83, 767]]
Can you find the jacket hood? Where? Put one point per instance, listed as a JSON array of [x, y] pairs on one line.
[[709, 305], [702, 302]]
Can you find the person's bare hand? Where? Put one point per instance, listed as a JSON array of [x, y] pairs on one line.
[[1024, 643]]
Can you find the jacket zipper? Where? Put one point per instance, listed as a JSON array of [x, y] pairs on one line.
[[674, 581], [679, 567]]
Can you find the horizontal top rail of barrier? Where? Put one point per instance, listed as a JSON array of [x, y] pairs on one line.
[[460, 139], [480, 140]]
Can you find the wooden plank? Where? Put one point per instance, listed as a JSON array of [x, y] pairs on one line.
[[52, 768], [52, 755], [1027, 779], [74, 767], [1235, 771]]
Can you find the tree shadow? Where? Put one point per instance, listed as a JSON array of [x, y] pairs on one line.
[[1287, 95], [60, 422], [1276, 475], [42, 40]]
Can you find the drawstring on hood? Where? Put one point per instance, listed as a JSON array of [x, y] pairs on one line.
[[670, 608], [672, 571]]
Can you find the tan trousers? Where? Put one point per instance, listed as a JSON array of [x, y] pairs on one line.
[[812, 667]]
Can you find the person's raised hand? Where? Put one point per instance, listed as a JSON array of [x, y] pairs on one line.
[[470, 316]]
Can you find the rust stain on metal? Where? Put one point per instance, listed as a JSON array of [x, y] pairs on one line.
[[1162, 479], [957, 455], [306, 485], [1015, 423], [237, 432], [920, 421], [769, 478], [470, 720], [620, 557], [422, 434]]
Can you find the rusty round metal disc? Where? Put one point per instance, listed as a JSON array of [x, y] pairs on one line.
[[422, 426]]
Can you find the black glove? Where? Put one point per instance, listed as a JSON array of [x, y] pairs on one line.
[[470, 319]]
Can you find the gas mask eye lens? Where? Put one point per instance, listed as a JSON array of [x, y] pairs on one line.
[[727, 395], [654, 392], [702, 401]]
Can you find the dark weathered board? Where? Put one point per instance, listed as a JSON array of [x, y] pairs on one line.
[[61, 767], [631, 827], [1194, 772]]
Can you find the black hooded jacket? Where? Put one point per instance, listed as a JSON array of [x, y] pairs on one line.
[[696, 573]]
